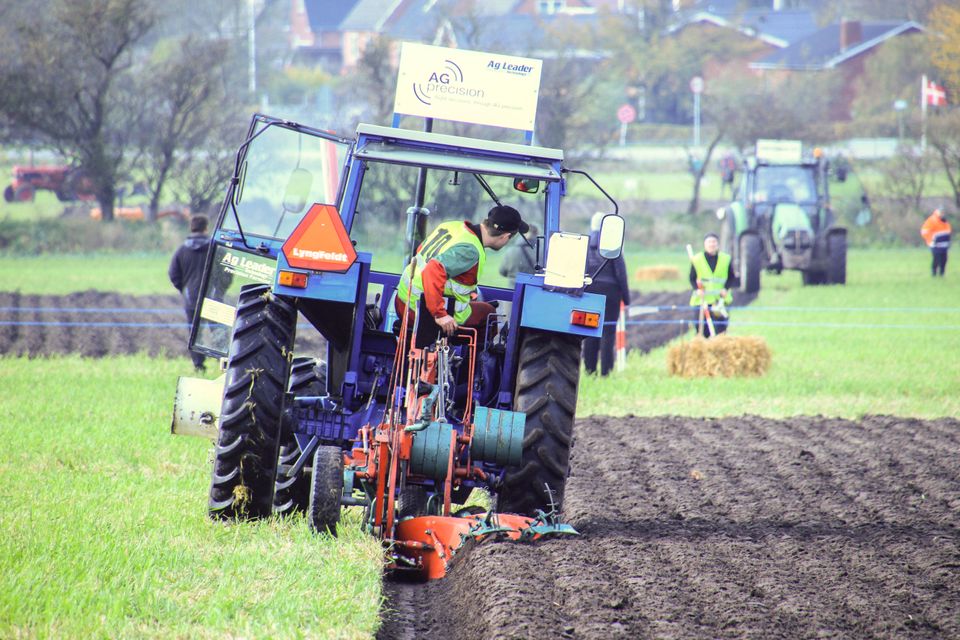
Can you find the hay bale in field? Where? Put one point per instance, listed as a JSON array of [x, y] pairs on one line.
[[723, 355], [656, 273]]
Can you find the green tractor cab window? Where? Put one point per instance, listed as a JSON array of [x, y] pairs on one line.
[[526, 185]]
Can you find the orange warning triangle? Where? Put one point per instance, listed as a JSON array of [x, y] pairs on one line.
[[320, 242]]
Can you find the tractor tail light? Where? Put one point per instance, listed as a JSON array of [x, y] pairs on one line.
[[585, 318], [293, 279]]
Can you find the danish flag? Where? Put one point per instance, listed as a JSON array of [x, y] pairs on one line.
[[933, 94]]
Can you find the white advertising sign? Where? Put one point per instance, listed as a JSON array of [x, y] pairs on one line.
[[785, 151], [468, 86]]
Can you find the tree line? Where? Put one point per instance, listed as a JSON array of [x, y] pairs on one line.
[[113, 87]]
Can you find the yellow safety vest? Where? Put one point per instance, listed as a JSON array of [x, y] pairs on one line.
[[713, 280], [443, 237]]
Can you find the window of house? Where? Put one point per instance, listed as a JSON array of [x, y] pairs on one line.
[[550, 6]]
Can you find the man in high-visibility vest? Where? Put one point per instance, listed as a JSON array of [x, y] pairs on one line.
[[711, 281], [936, 233], [449, 264]]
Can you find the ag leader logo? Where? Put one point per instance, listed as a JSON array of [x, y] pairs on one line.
[[447, 81], [320, 242]]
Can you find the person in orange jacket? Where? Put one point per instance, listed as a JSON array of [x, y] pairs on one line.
[[936, 233]]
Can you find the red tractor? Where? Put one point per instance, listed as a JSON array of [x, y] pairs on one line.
[[67, 182]]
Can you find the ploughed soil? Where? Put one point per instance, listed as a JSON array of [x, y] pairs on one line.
[[690, 528], [101, 323], [723, 528]]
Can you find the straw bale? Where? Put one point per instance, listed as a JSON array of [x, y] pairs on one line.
[[656, 273], [723, 355]]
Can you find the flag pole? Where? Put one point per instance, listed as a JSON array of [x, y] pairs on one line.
[[923, 113]]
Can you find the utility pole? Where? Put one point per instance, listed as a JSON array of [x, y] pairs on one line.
[[252, 42]]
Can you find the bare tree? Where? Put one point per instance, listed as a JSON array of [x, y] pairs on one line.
[[945, 139], [187, 108], [905, 178], [578, 98], [65, 78], [374, 80], [205, 170]]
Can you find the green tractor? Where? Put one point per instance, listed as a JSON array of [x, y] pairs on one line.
[[780, 218]]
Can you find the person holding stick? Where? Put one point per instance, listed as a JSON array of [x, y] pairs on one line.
[[711, 281]]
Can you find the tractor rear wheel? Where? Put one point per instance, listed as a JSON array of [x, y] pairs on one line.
[[8, 193], [291, 493], [245, 458], [547, 378], [837, 258], [326, 489], [749, 263]]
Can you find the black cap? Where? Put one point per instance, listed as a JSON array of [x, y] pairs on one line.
[[506, 218], [710, 235]]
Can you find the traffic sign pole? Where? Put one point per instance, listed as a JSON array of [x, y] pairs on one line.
[[625, 114], [696, 86], [696, 119]]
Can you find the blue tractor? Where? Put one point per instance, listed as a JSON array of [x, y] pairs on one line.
[[308, 249]]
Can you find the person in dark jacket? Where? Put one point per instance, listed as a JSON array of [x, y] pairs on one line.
[[611, 281], [186, 272], [520, 258]]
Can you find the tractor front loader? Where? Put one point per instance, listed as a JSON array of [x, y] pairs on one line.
[[392, 418]]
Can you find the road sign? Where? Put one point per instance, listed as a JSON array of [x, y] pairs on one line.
[[626, 114], [696, 84]]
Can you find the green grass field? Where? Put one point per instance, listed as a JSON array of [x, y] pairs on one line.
[[104, 531], [902, 362], [104, 527], [146, 273]]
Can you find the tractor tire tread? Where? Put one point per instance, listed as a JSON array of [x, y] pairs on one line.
[[245, 459], [547, 379], [326, 490], [291, 494]]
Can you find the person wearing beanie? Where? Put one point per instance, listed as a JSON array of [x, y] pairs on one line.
[[610, 281], [712, 281], [448, 264], [936, 233], [186, 272]]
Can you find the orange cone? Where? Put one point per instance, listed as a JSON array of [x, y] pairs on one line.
[[622, 339]]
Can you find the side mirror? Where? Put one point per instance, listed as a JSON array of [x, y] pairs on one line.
[[526, 185], [611, 237], [298, 188]]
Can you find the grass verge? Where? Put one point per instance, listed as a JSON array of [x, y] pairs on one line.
[[104, 527]]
